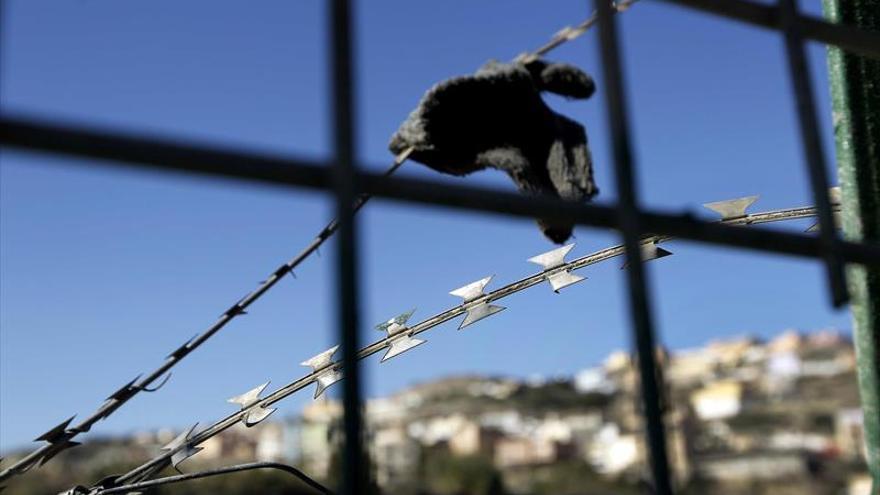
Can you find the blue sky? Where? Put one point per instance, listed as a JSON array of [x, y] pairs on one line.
[[105, 271]]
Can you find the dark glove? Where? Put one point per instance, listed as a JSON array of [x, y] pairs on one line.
[[496, 118]]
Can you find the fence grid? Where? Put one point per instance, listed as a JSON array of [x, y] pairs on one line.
[[346, 182]]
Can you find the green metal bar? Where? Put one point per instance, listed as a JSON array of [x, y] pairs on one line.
[[855, 93]]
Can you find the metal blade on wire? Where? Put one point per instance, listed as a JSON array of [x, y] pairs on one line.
[[184, 349], [472, 292], [248, 399], [650, 251], [56, 433], [400, 339], [732, 208], [558, 279], [124, 391], [330, 375], [182, 447]]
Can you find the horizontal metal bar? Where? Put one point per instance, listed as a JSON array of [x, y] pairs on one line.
[[162, 153], [853, 39], [281, 171]]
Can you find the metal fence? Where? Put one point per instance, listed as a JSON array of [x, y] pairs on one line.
[[347, 182]]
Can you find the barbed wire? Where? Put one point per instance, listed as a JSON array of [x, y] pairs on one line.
[[222, 471], [61, 437], [476, 306]]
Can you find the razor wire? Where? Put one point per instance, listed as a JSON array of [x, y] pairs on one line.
[[60, 437], [476, 305]]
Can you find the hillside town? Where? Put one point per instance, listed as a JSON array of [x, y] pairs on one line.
[[744, 416]]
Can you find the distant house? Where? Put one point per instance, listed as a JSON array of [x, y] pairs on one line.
[[520, 451], [718, 400], [613, 452]]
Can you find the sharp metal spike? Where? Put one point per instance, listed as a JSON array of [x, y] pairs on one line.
[[395, 324], [182, 438], [235, 309], [563, 279], [838, 222], [471, 292], [401, 344], [248, 399], [256, 415], [322, 359], [400, 339], [732, 208], [182, 442], [55, 433], [124, 391], [325, 380], [479, 312], [176, 353], [327, 377], [650, 251], [553, 259]]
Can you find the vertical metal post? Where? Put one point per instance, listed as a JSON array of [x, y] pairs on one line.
[[855, 94], [628, 212], [814, 155], [340, 30]]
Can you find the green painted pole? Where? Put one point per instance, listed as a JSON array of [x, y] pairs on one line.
[[855, 93]]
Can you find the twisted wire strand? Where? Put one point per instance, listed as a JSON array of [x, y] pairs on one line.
[[238, 468], [160, 462], [63, 439]]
